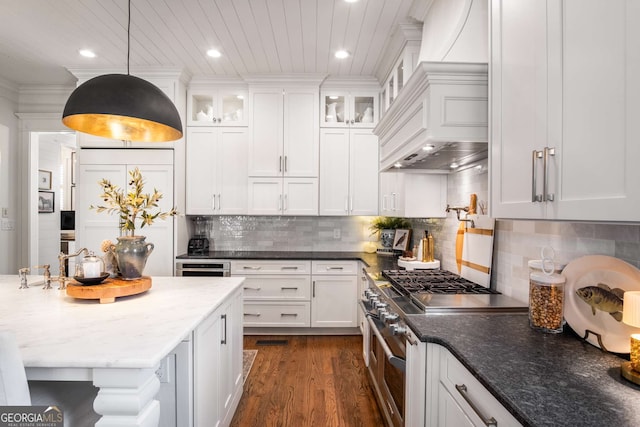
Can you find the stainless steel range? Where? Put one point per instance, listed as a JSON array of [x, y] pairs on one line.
[[398, 293]]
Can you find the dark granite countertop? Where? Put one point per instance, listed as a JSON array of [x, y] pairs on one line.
[[542, 379], [369, 259]]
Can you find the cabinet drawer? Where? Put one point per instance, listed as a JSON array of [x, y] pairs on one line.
[[248, 267], [466, 390], [334, 267], [277, 287], [292, 314]]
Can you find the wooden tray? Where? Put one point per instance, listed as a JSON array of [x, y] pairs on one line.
[[110, 289]]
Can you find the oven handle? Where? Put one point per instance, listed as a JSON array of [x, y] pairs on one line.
[[396, 361]]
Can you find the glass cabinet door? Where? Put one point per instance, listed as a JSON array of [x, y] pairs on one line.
[[217, 107], [202, 109], [232, 108], [334, 109], [364, 109]]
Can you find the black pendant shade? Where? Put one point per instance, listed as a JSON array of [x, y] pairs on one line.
[[124, 107]]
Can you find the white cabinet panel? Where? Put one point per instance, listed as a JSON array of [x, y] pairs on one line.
[[333, 301], [413, 195], [288, 196], [93, 227], [216, 171], [348, 172], [284, 132], [549, 93]]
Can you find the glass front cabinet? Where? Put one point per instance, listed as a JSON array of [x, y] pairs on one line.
[[217, 107], [348, 109]]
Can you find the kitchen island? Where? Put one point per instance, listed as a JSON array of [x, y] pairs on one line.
[[120, 346]]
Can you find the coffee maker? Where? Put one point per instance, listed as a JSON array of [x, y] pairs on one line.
[[199, 242]]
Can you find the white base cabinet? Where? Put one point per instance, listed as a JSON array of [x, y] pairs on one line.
[[276, 293], [218, 364], [334, 294], [299, 293]]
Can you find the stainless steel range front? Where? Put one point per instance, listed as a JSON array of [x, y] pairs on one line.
[[398, 293]]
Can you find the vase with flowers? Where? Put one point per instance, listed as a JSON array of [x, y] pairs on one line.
[[132, 206]]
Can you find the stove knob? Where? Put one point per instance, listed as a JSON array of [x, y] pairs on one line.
[[390, 317], [379, 304], [381, 313], [367, 293], [397, 329]]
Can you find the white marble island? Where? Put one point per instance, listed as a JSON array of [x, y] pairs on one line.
[[119, 346]]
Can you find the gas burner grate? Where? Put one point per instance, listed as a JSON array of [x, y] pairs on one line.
[[434, 282]]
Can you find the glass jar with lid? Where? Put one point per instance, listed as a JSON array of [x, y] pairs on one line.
[[546, 302]]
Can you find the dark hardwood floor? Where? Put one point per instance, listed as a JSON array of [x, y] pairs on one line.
[[309, 381]]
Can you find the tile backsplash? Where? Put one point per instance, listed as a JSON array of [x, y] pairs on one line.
[[289, 233]]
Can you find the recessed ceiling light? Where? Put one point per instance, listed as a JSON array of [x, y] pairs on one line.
[[397, 165], [351, 1], [87, 53], [214, 53], [333, 96], [341, 54], [454, 165], [429, 147], [239, 96]]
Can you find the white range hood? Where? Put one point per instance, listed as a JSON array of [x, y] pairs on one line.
[[443, 105]]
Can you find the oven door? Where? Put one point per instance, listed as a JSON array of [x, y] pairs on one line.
[[387, 364]]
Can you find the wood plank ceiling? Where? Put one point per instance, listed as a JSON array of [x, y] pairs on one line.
[[39, 39]]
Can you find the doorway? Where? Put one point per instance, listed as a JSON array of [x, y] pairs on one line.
[[52, 156]]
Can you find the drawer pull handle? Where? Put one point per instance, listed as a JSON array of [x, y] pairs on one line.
[[288, 314], [249, 288], [252, 314], [335, 268], [248, 267], [462, 389], [289, 267], [289, 289]]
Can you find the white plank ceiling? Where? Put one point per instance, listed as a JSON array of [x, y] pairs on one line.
[[40, 39]]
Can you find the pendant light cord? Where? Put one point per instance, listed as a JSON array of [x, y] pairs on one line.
[[128, 36]]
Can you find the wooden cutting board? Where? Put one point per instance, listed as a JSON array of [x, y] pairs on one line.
[[477, 249], [110, 289]]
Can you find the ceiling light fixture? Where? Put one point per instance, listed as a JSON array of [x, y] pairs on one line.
[[342, 54], [122, 106], [214, 53], [397, 165], [87, 53], [429, 147]]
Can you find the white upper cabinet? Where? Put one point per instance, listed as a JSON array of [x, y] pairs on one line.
[[217, 107], [413, 195], [348, 172], [564, 101], [284, 132], [342, 108], [216, 175]]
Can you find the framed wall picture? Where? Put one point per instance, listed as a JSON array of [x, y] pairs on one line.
[[401, 240], [46, 201], [44, 180]]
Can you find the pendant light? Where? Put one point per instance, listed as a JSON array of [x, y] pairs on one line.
[[123, 107]]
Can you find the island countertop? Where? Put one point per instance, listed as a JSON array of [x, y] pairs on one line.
[[54, 330]]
